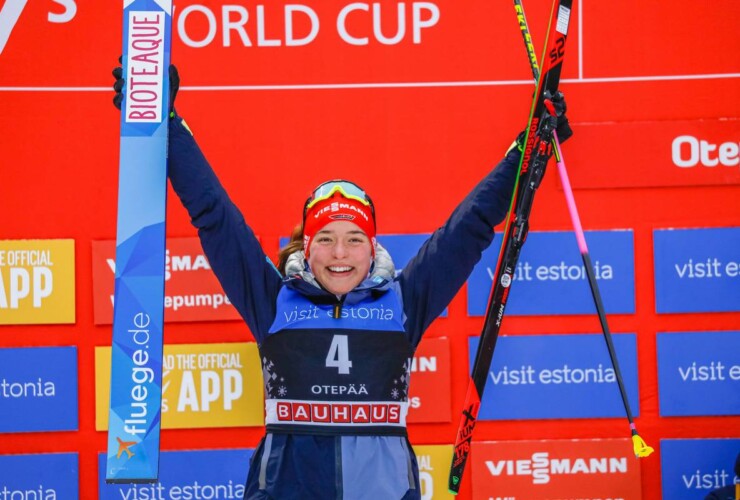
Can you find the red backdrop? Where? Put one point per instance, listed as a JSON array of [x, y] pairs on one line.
[[275, 121]]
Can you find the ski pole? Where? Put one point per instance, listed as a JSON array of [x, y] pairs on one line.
[[640, 448]]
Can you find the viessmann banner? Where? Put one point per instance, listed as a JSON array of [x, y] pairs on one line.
[[556, 469], [192, 292], [37, 281], [203, 385]]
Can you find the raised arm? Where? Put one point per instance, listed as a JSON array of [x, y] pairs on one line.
[[433, 277], [246, 274]]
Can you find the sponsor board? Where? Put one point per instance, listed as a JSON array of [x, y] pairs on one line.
[[550, 277], [203, 385], [679, 153], [192, 292], [37, 282], [562, 469], [697, 270], [38, 389], [692, 468], [699, 373], [558, 376], [402, 248], [434, 467], [186, 475], [429, 392], [39, 476]]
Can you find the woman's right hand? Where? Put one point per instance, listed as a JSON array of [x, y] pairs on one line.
[[119, 85]]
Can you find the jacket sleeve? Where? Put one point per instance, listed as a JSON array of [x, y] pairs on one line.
[[246, 274], [433, 277]]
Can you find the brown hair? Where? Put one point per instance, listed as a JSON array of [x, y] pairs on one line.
[[295, 244]]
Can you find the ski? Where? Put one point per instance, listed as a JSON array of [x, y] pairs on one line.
[[537, 152], [640, 448], [138, 313]]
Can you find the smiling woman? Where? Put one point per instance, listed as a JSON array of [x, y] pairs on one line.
[[336, 326]]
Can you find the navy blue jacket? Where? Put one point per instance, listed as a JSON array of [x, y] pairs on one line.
[[287, 465]]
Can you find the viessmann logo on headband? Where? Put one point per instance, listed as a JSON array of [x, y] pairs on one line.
[[336, 207]]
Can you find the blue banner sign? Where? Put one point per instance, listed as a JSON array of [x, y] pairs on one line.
[[697, 270], [699, 373], [550, 278], [38, 389], [692, 468], [403, 247], [138, 314], [558, 376], [187, 475], [51, 475]]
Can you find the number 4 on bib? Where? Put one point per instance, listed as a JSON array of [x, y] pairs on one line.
[[338, 356]]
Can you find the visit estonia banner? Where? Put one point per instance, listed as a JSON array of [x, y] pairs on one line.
[[552, 376], [136, 357], [550, 278], [697, 270], [189, 474]]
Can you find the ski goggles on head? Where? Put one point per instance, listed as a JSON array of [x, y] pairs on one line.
[[346, 189]]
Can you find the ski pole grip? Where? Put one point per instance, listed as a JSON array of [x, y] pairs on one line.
[[550, 107]]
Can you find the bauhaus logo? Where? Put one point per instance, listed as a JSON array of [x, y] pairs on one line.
[[63, 12]]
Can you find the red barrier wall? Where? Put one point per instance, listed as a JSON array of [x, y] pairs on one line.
[[291, 117]]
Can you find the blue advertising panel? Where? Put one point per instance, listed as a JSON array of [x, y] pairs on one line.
[[51, 475], [550, 277], [186, 474], [38, 389], [558, 376], [691, 468], [699, 373], [697, 270], [403, 247]]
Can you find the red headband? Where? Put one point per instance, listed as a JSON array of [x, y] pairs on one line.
[[337, 208]]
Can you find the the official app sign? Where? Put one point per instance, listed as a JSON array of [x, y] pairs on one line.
[[203, 385], [43, 476], [37, 282], [434, 469], [558, 376], [550, 277], [691, 468], [38, 389], [539, 470], [699, 373], [186, 475], [697, 270]]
